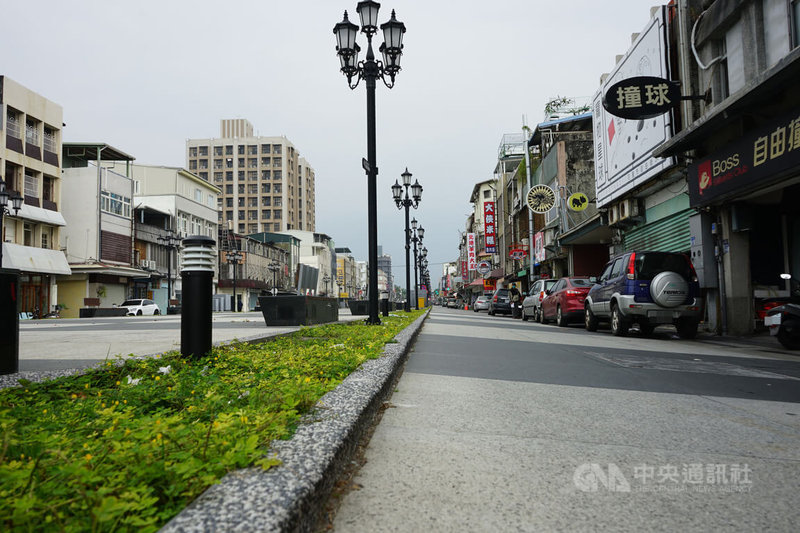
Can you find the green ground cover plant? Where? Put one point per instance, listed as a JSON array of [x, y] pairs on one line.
[[128, 445]]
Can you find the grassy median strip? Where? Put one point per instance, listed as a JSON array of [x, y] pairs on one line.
[[128, 446]]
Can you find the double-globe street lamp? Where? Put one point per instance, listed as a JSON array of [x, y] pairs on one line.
[[407, 202], [171, 242], [234, 257], [273, 267], [16, 205], [417, 234], [370, 71]]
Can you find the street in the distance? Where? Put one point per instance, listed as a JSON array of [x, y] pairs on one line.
[[502, 425]]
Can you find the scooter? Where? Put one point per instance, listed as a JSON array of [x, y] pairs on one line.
[[784, 322]]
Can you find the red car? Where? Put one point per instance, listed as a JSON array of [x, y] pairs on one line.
[[564, 301]]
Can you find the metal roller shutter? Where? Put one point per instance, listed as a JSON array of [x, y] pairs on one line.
[[670, 234]]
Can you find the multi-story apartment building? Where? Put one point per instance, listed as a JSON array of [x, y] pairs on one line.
[[346, 273], [30, 163], [317, 251], [266, 185]]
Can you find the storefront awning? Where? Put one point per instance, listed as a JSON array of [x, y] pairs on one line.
[[34, 260], [38, 214], [113, 270], [497, 273], [476, 283]]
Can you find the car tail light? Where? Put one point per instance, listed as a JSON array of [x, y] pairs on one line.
[[575, 293], [691, 268], [632, 266], [541, 296], [494, 299]]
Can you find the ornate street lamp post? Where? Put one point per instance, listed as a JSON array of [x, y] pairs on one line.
[[234, 257], [413, 201], [274, 267], [325, 279], [16, 205], [370, 71], [417, 235], [171, 242]]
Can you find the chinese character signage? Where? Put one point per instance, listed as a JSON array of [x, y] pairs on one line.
[[642, 97], [489, 227], [538, 254], [742, 165], [464, 269], [471, 264], [623, 148]]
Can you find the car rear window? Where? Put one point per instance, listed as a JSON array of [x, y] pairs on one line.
[[650, 264], [502, 292], [131, 302], [581, 282]]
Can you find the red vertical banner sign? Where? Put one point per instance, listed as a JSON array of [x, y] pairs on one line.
[[489, 227], [471, 262], [464, 270]]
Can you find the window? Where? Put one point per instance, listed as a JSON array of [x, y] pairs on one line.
[[265, 174], [228, 215], [193, 165], [252, 215], [277, 175], [265, 187], [276, 188], [47, 236], [276, 149], [252, 228], [240, 188], [31, 185], [241, 214], [229, 189], [252, 188], [228, 175], [229, 150], [203, 150], [114, 203], [266, 214], [276, 162], [217, 177], [265, 148], [240, 201], [252, 149], [229, 162], [240, 175], [277, 201], [198, 195], [228, 202], [27, 234], [193, 151], [218, 150], [204, 175], [241, 228], [276, 226], [252, 162], [252, 201], [50, 143], [277, 213], [48, 187], [252, 175], [240, 149], [266, 201], [241, 162], [265, 161], [218, 164]]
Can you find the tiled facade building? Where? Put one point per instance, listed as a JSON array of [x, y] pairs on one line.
[[266, 186]]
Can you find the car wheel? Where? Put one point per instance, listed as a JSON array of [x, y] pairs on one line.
[[139, 312], [560, 319], [524, 316], [619, 325], [687, 328], [787, 335], [589, 320], [156, 312], [539, 315]]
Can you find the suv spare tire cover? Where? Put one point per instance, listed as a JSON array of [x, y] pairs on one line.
[[669, 289]]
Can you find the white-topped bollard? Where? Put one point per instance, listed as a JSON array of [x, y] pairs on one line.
[[197, 276]]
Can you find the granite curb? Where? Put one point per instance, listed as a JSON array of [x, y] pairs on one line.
[[292, 496]]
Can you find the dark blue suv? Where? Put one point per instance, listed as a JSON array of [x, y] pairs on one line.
[[648, 288]]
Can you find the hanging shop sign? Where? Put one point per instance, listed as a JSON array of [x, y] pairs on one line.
[[642, 97], [541, 198], [471, 251], [539, 252], [489, 222], [578, 201], [757, 157], [484, 267], [517, 253]]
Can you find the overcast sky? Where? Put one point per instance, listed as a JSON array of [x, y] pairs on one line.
[[146, 75]]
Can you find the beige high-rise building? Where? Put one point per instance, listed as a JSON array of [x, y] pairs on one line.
[[266, 185]]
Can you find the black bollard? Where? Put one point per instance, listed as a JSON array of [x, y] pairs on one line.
[[9, 321], [197, 277]]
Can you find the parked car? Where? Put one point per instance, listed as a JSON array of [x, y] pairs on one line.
[[141, 307], [531, 305], [648, 288], [564, 301], [500, 302], [452, 302], [481, 303]]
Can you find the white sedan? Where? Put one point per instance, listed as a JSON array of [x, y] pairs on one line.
[[141, 307]]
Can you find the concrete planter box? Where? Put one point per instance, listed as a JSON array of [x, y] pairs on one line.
[[285, 310], [358, 307], [91, 312]]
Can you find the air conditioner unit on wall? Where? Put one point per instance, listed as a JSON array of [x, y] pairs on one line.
[[613, 214], [628, 208]]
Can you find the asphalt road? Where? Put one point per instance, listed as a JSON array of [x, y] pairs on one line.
[[500, 425]]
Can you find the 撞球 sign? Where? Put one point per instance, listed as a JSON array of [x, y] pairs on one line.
[[642, 97]]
